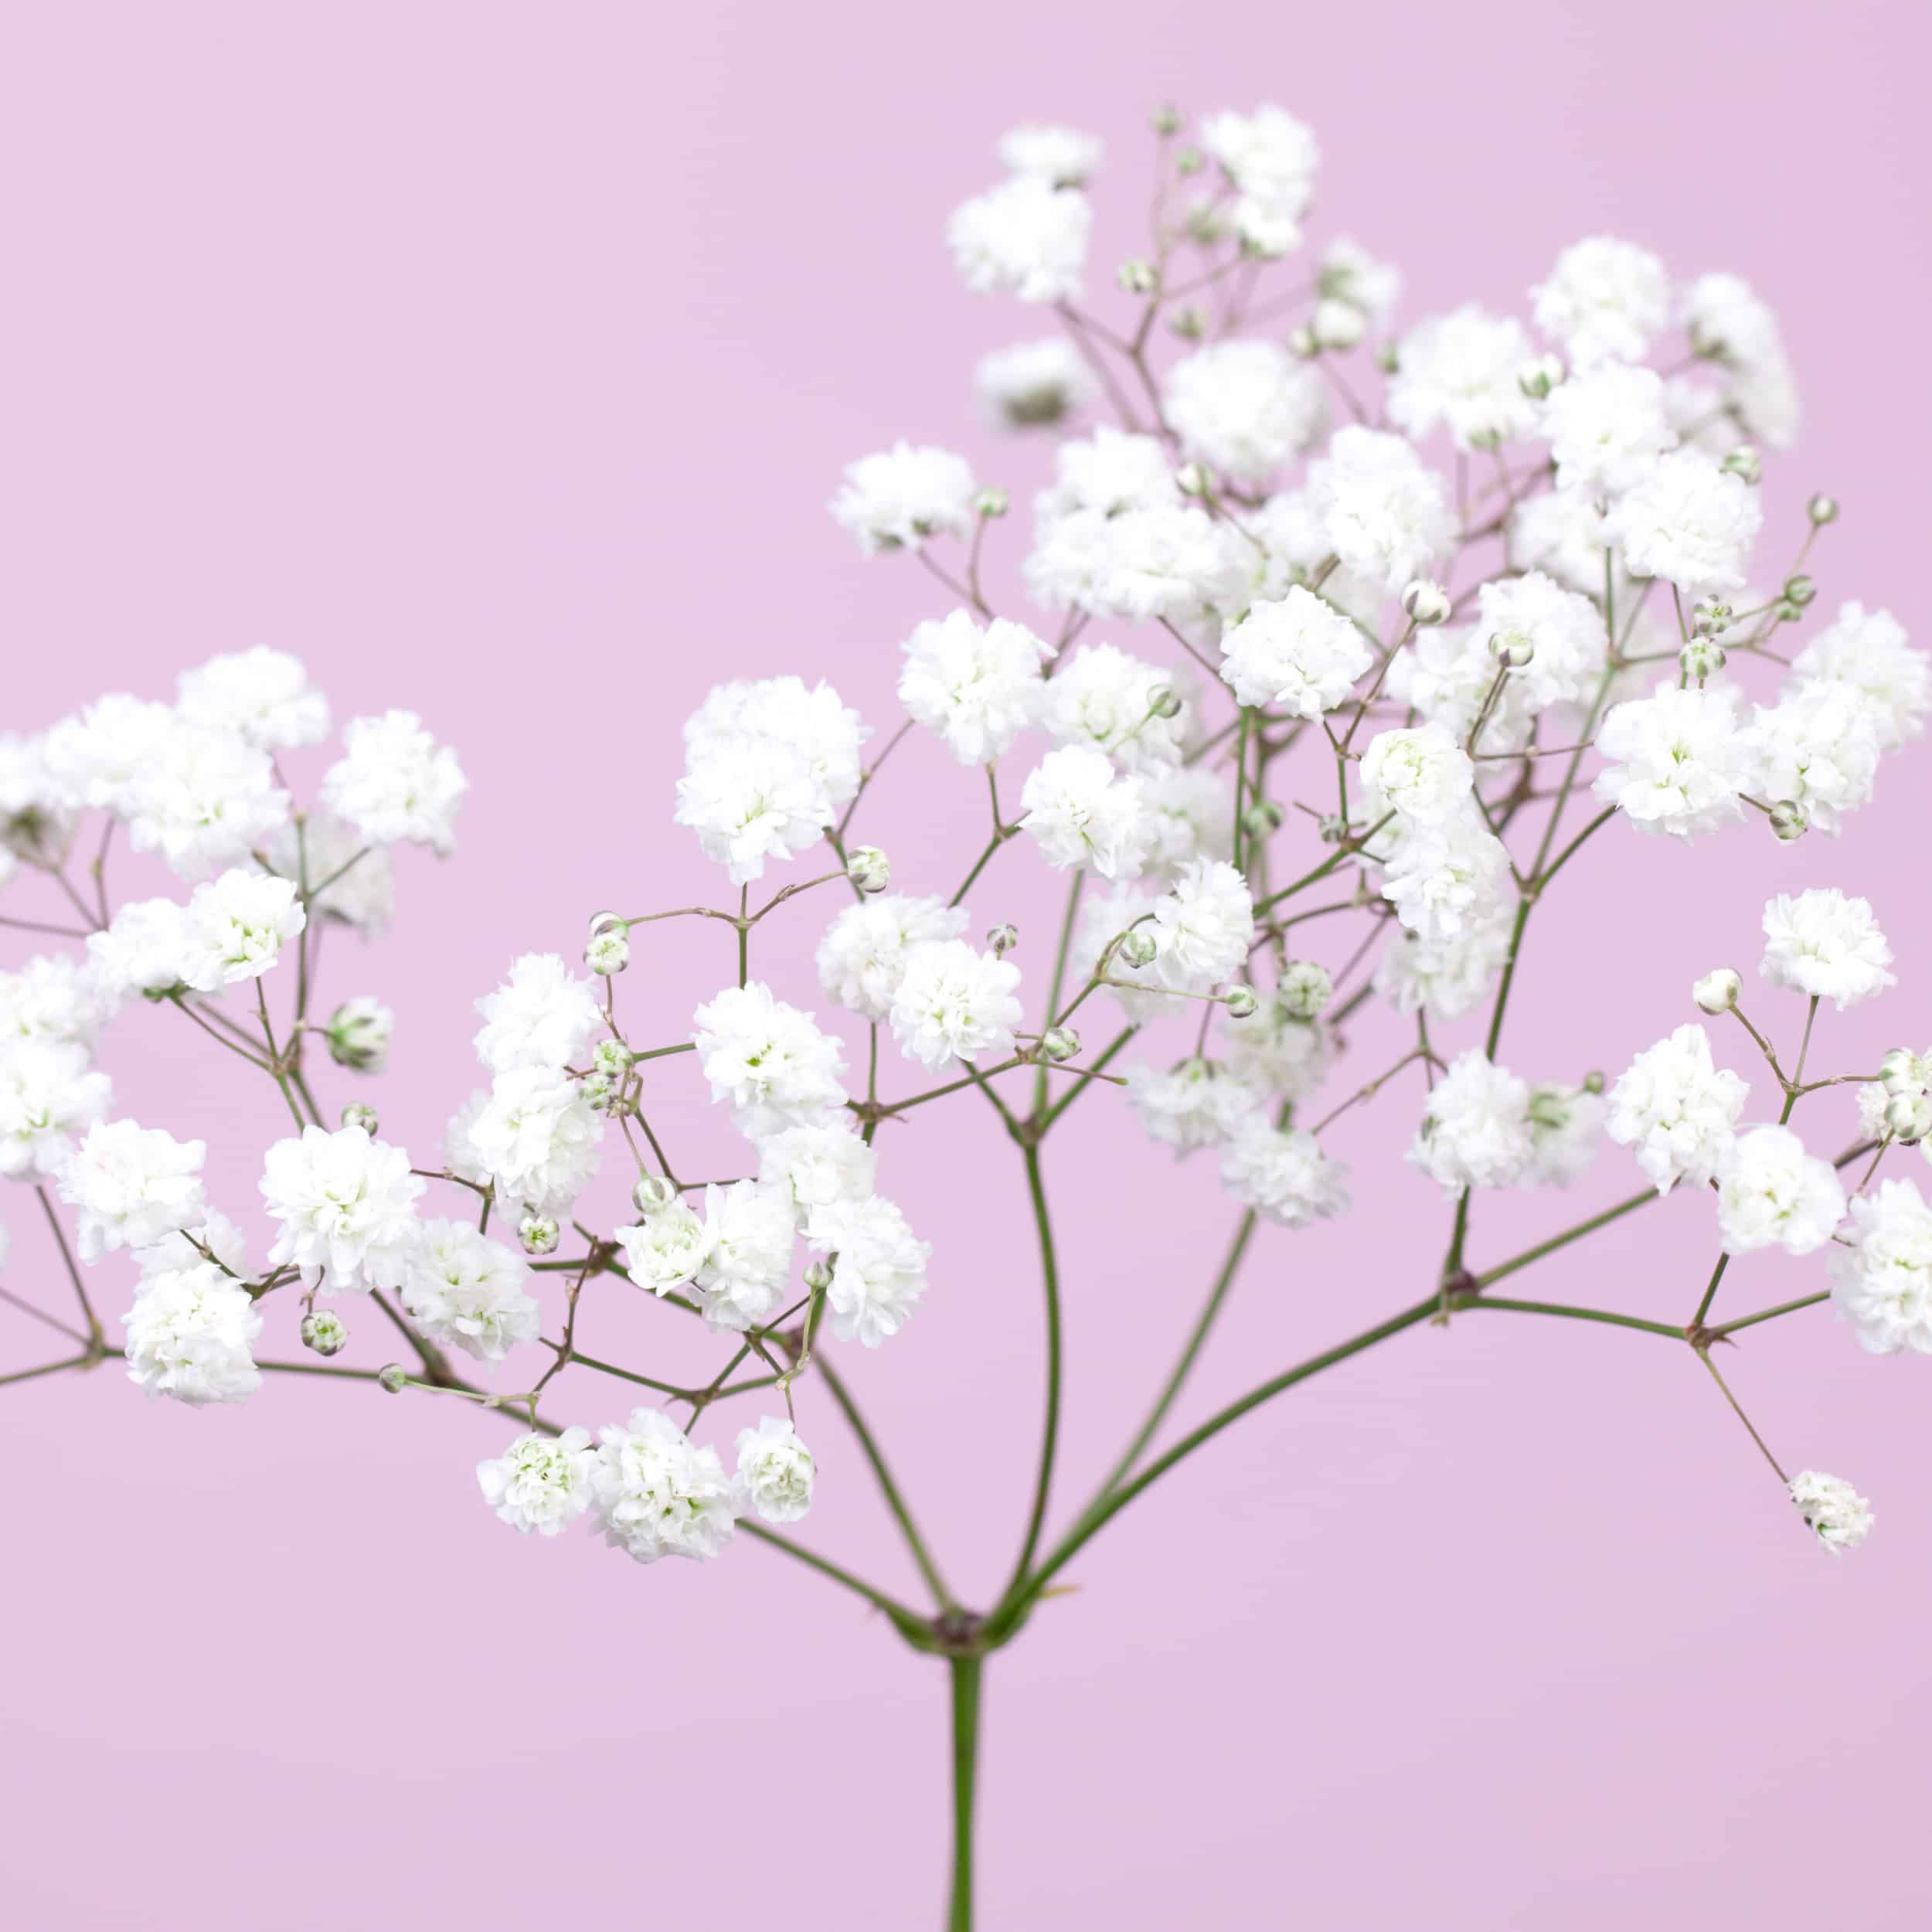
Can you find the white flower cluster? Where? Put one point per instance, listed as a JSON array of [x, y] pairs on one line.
[[1459, 667]]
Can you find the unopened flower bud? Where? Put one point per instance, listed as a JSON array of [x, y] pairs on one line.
[[1594, 1082], [1193, 479], [1137, 277], [358, 1033], [1788, 820], [1745, 462], [1539, 376], [1240, 1001], [1002, 939], [1262, 819], [1388, 358], [1136, 948], [1189, 321], [539, 1233], [1303, 341], [1426, 601], [603, 923], [1901, 1070], [1058, 1043], [1702, 658], [612, 1059], [394, 1379], [1799, 590], [992, 502], [1822, 509], [1305, 988], [868, 869], [1909, 1117], [1512, 649], [1189, 160], [1166, 120], [653, 1193], [360, 1114], [1331, 828], [1710, 618], [1338, 325], [1164, 701], [324, 1332], [608, 953], [817, 1277], [1718, 992]]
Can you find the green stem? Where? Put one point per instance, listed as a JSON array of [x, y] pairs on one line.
[[1109, 1504], [1568, 1235], [1217, 1296], [1710, 1289], [966, 1676], [1050, 1440], [1769, 1314], [1115, 1048], [1567, 1309], [888, 1487]]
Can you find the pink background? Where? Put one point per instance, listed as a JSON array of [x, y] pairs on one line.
[[498, 361]]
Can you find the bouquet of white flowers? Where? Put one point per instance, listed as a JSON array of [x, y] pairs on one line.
[[1481, 585]]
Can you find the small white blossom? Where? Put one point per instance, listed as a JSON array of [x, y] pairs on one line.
[[536, 1139], [48, 1093], [1419, 773], [954, 1002], [543, 1015], [347, 1207], [540, 1482], [189, 1334], [976, 687], [203, 799], [1032, 385], [1475, 1129], [1081, 812], [1607, 426], [464, 1291], [237, 925], [1882, 1283], [1244, 408], [665, 1249], [1383, 512], [1193, 1105], [1676, 1109], [1460, 370], [1026, 237], [1565, 1124], [1771, 1193], [775, 1471], [656, 1494], [1282, 1174], [1689, 521], [1203, 928], [395, 785], [1674, 761], [1833, 1511], [1101, 696], [769, 1060], [132, 1185], [879, 1270], [263, 695], [1605, 301], [1295, 653], [1822, 943], [748, 1230], [896, 498], [862, 958], [1868, 649], [1818, 746], [814, 1166]]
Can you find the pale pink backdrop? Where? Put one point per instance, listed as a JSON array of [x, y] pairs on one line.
[[499, 360]]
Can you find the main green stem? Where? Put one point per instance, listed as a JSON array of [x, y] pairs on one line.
[[966, 1674], [1049, 1436]]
